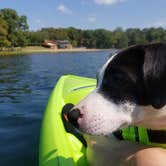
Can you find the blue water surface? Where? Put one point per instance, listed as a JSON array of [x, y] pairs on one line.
[[26, 82]]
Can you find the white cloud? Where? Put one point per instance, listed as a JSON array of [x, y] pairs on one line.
[[92, 19], [107, 2], [63, 9], [160, 23]]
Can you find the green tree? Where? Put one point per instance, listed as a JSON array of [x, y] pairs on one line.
[[158, 35], [15, 26], [120, 39], [74, 36], [136, 36], [103, 38], [21, 40], [3, 33], [23, 26]]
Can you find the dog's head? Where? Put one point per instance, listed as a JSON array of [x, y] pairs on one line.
[[131, 90]]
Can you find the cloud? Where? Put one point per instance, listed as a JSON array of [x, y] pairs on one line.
[[92, 19], [107, 2], [63, 9], [160, 23]]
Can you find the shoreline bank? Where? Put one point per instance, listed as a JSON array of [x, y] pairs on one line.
[[34, 49]]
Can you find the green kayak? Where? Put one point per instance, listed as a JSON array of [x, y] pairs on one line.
[[58, 147]]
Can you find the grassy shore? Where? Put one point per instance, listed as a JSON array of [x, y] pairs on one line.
[[37, 49]]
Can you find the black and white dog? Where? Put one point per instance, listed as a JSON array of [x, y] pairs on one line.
[[131, 90]]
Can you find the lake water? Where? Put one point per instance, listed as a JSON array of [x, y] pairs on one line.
[[26, 82]]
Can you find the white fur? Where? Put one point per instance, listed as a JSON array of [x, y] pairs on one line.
[[149, 117], [100, 116]]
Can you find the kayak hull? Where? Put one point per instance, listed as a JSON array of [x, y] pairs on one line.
[[58, 147]]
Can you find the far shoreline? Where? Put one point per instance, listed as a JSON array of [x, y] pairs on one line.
[[38, 49]]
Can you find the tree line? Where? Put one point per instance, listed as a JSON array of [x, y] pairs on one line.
[[14, 32], [13, 29]]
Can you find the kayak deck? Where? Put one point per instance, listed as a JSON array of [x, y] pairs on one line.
[[58, 147]]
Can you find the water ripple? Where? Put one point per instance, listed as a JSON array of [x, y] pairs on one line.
[[26, 82]]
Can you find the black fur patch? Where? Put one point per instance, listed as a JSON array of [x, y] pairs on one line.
[[137, 74]]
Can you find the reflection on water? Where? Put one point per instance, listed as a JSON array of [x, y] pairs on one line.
[[25, 84]]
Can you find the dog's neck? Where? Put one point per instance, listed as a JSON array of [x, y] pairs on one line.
[[151, 128], [150, 118]]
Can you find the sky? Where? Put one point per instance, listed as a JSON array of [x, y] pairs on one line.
[[90, 14]]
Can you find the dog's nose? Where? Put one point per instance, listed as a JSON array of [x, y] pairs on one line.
[[73, 116]]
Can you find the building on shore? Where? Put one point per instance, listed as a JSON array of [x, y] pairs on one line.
[[50, 44], [64, 44], [57, 44]]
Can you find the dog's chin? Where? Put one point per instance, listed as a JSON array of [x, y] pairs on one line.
[[102, 127], [94, 132], [97, 131]]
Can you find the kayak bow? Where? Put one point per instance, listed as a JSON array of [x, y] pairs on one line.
[[57, 146]]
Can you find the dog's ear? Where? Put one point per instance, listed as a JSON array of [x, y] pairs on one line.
[[154, 69], [146, 66], [130, 60]]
